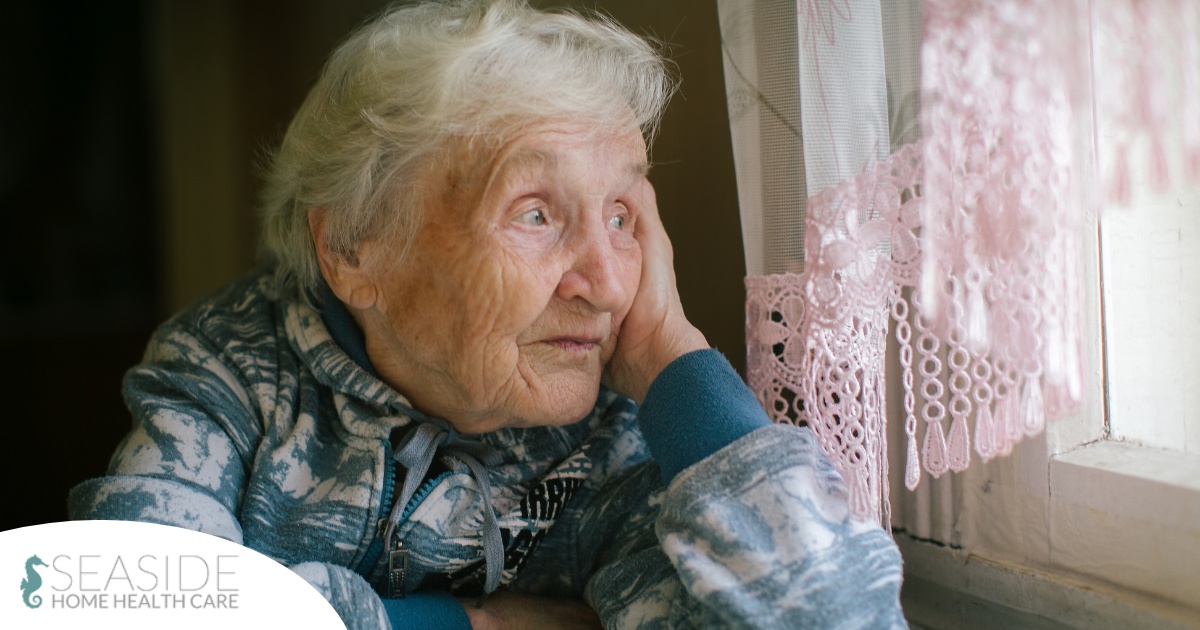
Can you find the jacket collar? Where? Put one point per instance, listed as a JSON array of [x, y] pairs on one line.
[[331, 345]]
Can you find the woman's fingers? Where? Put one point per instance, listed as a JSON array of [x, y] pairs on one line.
[[509, 611], [649, 230], [656, 331]]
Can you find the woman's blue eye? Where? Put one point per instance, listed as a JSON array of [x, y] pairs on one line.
[[533, 217], [617, 222]]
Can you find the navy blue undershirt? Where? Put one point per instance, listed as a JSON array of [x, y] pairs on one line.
[[343, 328]]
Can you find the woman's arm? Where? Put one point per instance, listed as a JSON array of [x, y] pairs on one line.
[[754, 535], [189, 456], [186, 460]]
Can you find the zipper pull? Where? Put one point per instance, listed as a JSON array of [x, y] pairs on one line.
[[397, 570]]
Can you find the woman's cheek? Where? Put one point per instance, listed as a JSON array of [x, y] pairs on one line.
[[517, 290]]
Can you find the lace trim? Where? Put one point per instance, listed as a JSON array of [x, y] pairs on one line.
[[998, 342], [969, 240]]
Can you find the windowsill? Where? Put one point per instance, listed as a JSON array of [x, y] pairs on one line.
[[1131, 480], [948, 589], [1128, 515], [1119, 549]]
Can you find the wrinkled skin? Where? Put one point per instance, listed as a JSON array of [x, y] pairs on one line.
[[510, 611], [523, 283]]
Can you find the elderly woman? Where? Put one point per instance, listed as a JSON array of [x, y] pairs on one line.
[[465, 369]]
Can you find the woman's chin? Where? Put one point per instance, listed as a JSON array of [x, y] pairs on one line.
[[557, 404]]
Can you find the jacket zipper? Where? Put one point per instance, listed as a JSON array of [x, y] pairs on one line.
[[397, 575], [397, 558], [385, 507]]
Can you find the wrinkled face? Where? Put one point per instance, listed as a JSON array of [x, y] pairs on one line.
[[507, 306]]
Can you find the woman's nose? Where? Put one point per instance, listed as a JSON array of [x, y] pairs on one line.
[[595, 274]]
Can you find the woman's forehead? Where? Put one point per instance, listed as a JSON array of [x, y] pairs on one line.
[[482, 165], [552, 151]]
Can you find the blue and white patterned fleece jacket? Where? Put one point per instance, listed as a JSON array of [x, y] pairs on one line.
[[252, 423]]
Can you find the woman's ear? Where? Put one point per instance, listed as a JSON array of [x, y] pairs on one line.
[[347, 274]]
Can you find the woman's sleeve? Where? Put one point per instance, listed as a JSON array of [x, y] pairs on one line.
[[753, 529], [187, 459]]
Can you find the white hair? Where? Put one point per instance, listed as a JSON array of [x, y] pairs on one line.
[[406, 83]]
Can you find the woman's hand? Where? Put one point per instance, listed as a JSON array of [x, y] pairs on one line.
[[655, 332], [508, 611]]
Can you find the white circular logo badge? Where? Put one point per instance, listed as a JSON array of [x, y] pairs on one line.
[[119, 574]]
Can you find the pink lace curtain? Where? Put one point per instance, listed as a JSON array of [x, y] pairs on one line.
[[924, 170]]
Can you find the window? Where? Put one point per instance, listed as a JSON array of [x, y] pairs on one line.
[[1096, 524]]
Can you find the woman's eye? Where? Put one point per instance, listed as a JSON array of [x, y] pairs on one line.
[[535, 217], [617, 222]]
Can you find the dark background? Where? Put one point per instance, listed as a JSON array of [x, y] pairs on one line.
[[130, 138]]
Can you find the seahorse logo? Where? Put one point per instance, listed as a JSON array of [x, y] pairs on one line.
[[32, 582]]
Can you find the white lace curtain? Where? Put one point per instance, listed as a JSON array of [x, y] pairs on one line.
[[922, 169]]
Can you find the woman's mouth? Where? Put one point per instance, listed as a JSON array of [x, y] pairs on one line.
[[574, 344]]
